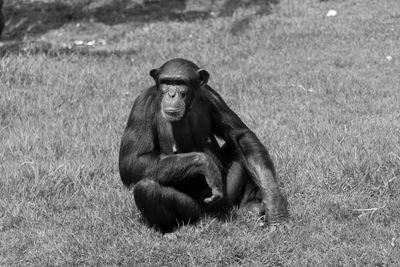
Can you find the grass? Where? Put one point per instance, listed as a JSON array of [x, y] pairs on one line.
[[322, 93]]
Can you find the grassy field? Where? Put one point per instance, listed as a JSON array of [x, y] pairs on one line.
[[322, 93]]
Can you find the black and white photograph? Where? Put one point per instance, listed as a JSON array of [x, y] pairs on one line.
[[200, 133]]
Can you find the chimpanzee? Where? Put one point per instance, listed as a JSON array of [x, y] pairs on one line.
[[185, 153]]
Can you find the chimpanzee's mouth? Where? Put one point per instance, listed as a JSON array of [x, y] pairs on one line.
[[173, 114], [172, 111]]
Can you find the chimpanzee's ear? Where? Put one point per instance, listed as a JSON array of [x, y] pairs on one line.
[[154, 73], [204, 76]]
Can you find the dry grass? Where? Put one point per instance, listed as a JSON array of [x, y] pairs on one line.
[[321, 92]]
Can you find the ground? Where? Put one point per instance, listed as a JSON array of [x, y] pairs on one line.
[[321, 92]]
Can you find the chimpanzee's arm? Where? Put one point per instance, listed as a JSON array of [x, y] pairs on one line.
[[139, 158], [257, 161], [171, 169], [137, 151]]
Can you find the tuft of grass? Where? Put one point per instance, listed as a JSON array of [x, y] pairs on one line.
[[320, 92]]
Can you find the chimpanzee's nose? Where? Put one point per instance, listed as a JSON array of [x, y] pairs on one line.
[[172, 94]]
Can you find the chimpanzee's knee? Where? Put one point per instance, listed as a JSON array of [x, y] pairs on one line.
[[152, 203], [146, 192]]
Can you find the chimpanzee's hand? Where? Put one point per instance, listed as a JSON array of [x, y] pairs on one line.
[[216, 196]]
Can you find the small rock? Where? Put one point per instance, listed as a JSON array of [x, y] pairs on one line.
[[331, 13], [90, 43]]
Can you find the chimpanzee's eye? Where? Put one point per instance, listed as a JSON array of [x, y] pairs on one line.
[[183, 94], [170, 81]]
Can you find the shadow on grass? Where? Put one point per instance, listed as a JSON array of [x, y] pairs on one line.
[[35, 18], [27, 20], [223, 217], [263, 6], [40, 47]]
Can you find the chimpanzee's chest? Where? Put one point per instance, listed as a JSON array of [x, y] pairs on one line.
[[186, 135]]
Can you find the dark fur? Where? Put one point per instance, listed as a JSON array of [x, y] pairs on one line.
[[172, 187]]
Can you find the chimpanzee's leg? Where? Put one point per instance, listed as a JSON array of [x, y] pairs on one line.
[[240, 190], [236, 180], [243, 192], [165, 206], [235, 176]]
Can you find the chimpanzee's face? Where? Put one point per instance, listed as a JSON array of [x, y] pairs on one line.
[[178, 81]]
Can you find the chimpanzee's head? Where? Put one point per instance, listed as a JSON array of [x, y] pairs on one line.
[[178, 79]]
